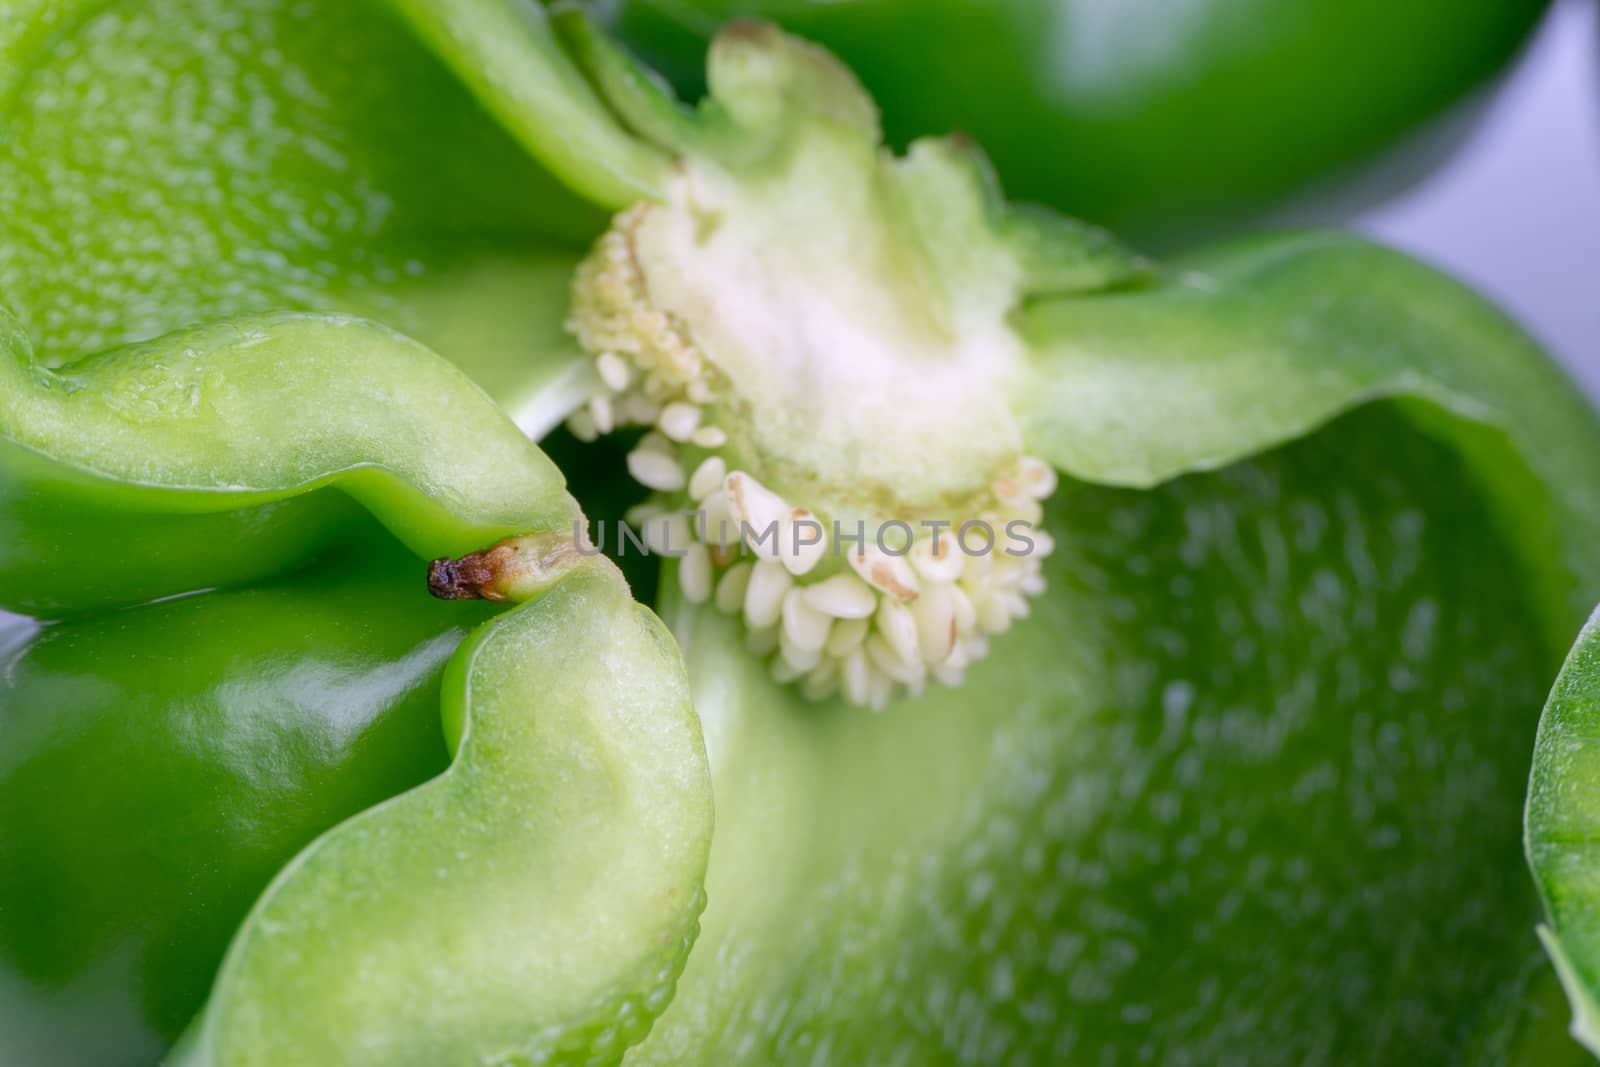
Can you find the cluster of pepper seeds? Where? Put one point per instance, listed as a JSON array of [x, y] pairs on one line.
[[895, 618]]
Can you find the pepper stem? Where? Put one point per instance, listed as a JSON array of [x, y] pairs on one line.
[[514, 570]]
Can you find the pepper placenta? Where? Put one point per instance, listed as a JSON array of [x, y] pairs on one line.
[[1255, 730]]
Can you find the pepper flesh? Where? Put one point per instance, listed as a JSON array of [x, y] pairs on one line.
[[577, 786]]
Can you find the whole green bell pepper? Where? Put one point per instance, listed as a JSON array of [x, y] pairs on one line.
[[1145, 116], [1242, 784]]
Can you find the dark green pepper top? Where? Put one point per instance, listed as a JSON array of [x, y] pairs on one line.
[[1154, 116]]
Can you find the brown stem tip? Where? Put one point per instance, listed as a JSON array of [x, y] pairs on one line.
[[516, 569], [472, 577]]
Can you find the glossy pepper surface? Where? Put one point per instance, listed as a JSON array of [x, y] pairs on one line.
[[1241, 781], [181, 731]]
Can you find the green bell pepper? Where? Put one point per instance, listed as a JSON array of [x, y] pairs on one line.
[[1232, 773], [260, 768], [1145, 116]]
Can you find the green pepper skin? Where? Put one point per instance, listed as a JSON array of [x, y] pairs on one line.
[[317, 203], [162, 763], [1563, 800], [1142, 116], [215, 447], [288, 737]]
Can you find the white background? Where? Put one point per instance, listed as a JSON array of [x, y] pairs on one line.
[[1517, 211]]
